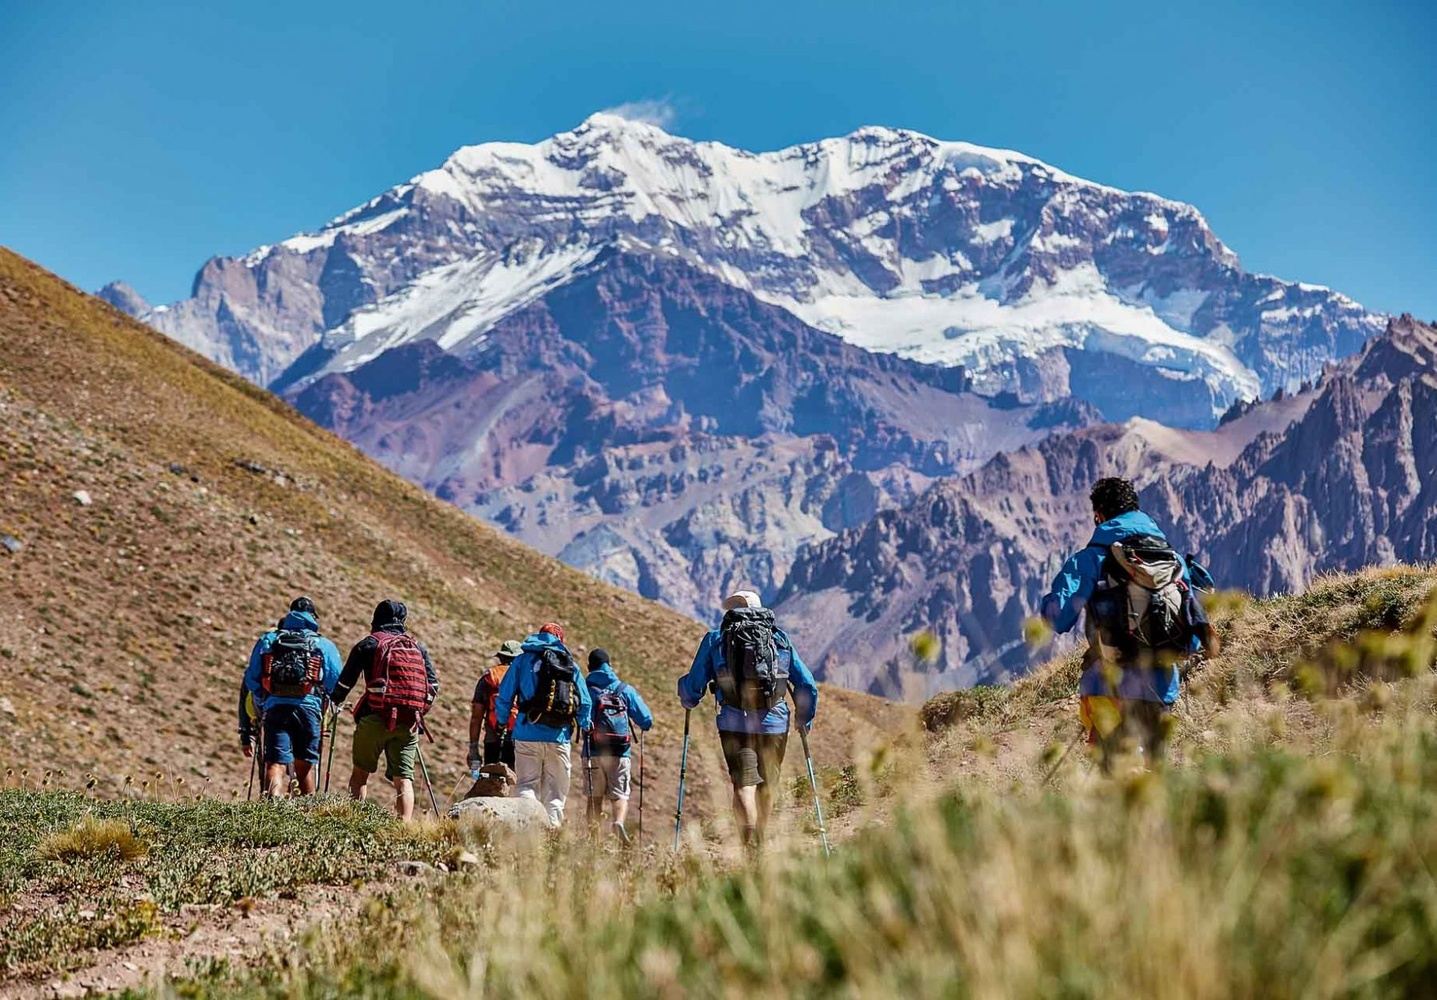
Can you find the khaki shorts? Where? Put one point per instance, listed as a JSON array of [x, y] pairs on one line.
[[611, 777], [399, 745]]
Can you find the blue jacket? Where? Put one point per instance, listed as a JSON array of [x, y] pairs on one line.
[[294, 621], [605, 679], [1064, 603], [519, 683], [703, 677]]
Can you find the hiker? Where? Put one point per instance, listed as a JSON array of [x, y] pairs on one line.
[[618, 708], [1143, 622], [399, 686], [292, 669], [498, 739], [552, 700], [751, 666]]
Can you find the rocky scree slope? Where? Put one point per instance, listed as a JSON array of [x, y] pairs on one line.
[[1339, 476], [164, 511]]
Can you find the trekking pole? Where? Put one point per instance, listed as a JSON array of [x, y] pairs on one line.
[[813, 782], [424, 769], [683, 772], [1062, 757], [641, 788], [333, 735], [589, 812], [319, 764], [253, 760]]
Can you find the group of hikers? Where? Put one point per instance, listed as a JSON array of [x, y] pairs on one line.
[[1138, 598], [529, 707]]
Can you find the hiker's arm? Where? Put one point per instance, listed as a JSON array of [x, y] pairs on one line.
[[639, 712], [695, 684], [476, 713], [509, 689], [430, 673], [805, 690], [330, 652], [246, 725], [1071, 589], [354, 668], [585, 718], [252, 671]]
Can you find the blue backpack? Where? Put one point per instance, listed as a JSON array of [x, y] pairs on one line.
[[611, 734]]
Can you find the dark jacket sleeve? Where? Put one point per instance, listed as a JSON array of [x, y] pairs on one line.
[[246, 724], [360, 659], [430, 673]]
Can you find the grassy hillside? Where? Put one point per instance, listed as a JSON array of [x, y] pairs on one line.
[[1288, 852], [128, 620]]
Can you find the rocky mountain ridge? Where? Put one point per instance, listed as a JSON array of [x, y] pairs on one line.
[[1339, 476]]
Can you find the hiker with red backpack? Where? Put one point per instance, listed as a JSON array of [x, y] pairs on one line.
[[292, 668], [498, 737], [400, 685], [751, 667], [618, 709], [1143, 620], [553, 703]]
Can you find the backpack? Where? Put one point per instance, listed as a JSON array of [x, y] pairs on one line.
[[611, 735], [397, 687], [292, 666], [1140, 607], [752, 674], [555, 702]]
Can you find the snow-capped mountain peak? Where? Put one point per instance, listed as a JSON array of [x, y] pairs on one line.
[[945, 252]]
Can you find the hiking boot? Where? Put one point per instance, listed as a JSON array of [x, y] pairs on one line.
[[622, 834]]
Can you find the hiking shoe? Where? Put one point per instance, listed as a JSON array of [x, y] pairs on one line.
[[622, 834]]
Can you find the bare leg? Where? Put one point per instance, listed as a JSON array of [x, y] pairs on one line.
[[404, 799], [277, 781], [359, 783], [621, 811], [304, 771], [745, 812]]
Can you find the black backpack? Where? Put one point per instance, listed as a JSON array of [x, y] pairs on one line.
[[753, 674], [1140, 608], [292, 666], [556, 690]]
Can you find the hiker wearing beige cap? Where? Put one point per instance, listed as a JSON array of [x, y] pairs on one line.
[[751, 666], [498, 736]]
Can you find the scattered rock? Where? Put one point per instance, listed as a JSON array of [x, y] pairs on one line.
[[7, 707], [11, 544], [518, 815], [254, 519], [413, 868], [82, 497], [250, 465], [179, 470], [466, 859]]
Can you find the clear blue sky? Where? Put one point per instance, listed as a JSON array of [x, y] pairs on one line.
[[138, 139]]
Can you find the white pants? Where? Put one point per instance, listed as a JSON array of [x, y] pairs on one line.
[[542, 773]]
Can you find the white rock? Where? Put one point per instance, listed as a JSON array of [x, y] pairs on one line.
[[82, 497]]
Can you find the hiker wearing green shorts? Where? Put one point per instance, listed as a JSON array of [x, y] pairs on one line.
[[399, 686]]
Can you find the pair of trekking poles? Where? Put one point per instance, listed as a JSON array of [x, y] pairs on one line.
[[812, 783]]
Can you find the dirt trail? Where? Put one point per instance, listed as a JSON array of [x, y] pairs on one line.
[[196, 935]]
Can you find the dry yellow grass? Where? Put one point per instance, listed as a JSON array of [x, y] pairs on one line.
[[92, 838]]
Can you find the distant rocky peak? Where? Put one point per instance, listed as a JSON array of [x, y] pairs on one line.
[[124, 298]]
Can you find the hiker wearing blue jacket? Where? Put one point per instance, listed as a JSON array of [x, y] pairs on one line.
[[292, 670], [553, 701], [754, 739], [1119, 695], [618, 710]]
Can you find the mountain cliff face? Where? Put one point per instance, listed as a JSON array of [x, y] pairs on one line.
[[947, 253], [694, 440], [1339, 476]]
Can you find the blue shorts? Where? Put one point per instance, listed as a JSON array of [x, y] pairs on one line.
[[290, 732]]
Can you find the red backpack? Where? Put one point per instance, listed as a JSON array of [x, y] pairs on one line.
[[397, 685]]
